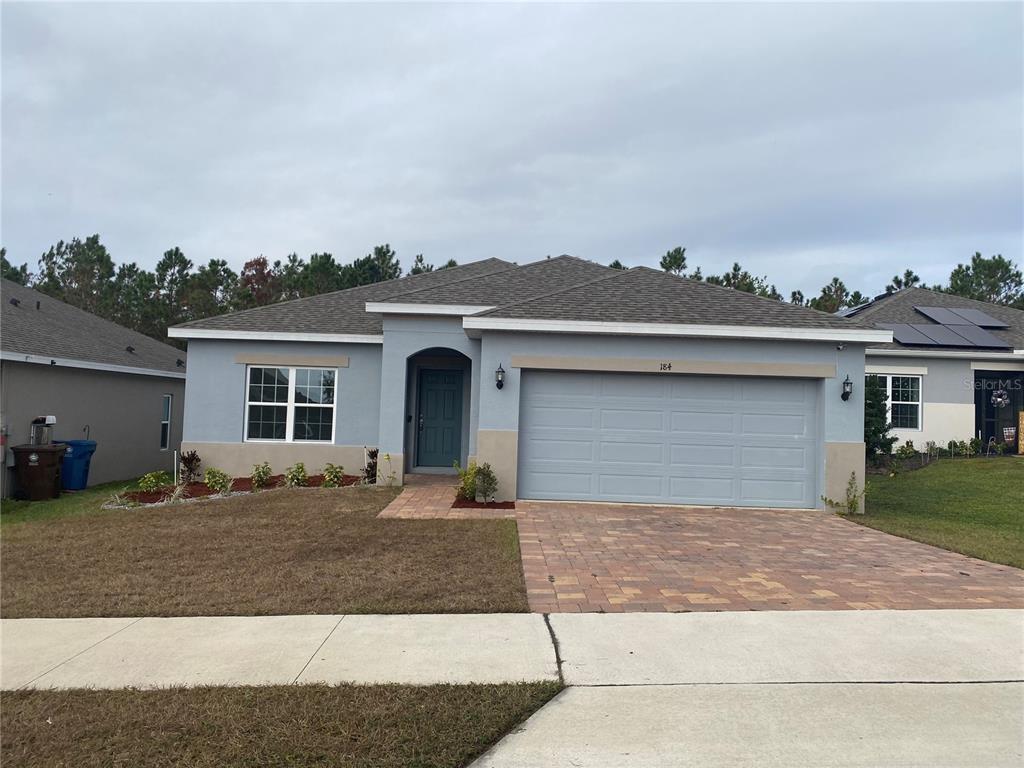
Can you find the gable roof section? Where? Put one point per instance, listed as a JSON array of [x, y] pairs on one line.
[[69, 335], [519, 284], [898, 307], [651, 297], [339, 313]]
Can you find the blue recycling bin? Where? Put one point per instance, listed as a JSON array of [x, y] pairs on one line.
[[74, 471]]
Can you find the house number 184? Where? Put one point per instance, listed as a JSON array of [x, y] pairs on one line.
[[666, 367]]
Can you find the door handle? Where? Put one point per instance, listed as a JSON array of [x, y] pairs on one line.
[[421, 423]]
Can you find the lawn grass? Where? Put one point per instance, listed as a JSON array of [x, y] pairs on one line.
[[70, 503], [971, 506], [379, 726], [286, 551]]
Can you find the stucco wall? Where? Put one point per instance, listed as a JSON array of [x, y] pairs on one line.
[[123, 412], [947, 396], [841, 422], [215, 404]]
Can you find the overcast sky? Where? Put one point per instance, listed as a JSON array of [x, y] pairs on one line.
[[803, 141]]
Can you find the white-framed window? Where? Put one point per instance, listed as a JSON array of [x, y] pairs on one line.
[[290, 404], [165, 422], [904, 404]]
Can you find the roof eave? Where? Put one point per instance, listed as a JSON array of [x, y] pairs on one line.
[[475, 325], [64, 362], [225, 334]]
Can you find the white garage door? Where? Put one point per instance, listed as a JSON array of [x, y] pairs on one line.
[[679, 439]]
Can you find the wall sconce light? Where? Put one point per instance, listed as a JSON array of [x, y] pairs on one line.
[[499, 377], [847, 389]]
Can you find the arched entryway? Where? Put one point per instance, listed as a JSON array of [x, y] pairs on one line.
[[437, 410]]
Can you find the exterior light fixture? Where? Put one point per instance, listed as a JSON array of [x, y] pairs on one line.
[[847, 389], [499, 377]]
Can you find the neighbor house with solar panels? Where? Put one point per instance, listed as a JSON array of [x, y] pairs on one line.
[[572, 380], [101, 382], [954, 369]]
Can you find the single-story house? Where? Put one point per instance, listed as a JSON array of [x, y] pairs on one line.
[[102, 382], [954, 369], [572, 380]]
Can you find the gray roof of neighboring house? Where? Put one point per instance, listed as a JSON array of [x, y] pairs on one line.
[[644, 295], [59, 330], [898, 307], [519, 284], [341, 311]]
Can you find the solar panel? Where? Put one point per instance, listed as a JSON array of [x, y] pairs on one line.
[[940, 315], [979, 318], [943, 336], [980, 336], [904, 334]]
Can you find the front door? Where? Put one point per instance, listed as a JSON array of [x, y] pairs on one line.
[[998, 398], [439, 430]]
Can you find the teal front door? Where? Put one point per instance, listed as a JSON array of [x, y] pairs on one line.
[[439, 431]]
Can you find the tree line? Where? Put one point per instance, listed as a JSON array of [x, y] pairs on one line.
[[82, 272]]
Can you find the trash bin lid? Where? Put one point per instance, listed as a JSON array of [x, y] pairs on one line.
[[78, 443]]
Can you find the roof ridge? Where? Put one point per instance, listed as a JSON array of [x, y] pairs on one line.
[[903, 292], [250, 310], [563, 289]]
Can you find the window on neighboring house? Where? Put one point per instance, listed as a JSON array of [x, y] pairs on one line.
[[165, 423], [904, 405], [290, 404]]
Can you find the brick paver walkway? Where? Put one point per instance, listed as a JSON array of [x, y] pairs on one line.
[[612, 558]]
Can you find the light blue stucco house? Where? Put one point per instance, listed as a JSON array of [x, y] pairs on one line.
[[572, 380]]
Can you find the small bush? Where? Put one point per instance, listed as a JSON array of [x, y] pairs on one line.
[[217, 481], [333, 476], [466, 489], [260, 476], [974, 446], [851, 504], [486, 482], [154, 481], [296, 476], [906, 451], [189, 467], [370, 470]]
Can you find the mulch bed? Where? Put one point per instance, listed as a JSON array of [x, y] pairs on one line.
[[467, 504], [238, 485]]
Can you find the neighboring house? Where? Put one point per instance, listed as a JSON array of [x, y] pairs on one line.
[[572, 380], [949, 356], [115, 386]]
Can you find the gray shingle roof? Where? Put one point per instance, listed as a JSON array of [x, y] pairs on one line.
[[898, 307], [59, 330], [643, 295], [341, 311], [520, 284]]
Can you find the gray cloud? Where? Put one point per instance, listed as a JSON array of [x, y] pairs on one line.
[[801, 140]]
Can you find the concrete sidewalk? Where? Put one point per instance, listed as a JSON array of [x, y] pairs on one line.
[[596, 649]]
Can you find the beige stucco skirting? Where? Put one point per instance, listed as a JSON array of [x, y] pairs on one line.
[[237, 459], [840, 460], [500, 448]]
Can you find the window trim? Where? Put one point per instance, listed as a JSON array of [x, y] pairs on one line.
[[888, 402], [168, 399], [289, 406]]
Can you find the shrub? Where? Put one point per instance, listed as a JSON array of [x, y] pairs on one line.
[[851, 504], [217, 481], [370, 470], [388, 477], [296, 476], [466, 489], [486, 482], [877, 440], [974, 446], [154, 481], [333, 476], [906, 451], [260, 475], [189, 466]]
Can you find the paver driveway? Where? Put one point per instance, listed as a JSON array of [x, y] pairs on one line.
[[620, 557]]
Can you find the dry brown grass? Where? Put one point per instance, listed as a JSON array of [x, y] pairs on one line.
[[287, 551], [382, 726]]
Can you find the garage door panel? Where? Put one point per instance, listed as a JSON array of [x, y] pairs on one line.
[[680, 439]]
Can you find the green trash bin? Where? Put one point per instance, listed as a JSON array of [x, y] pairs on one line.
[[37, 468]]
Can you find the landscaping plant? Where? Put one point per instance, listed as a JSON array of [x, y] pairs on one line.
[[217, 481], [466, 489], [370, 470], [154, 481], [189, 466], [486, 482], [296, 476], [334, 476], [260, 476], [851, 504], [906, 451], [877, 440]]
